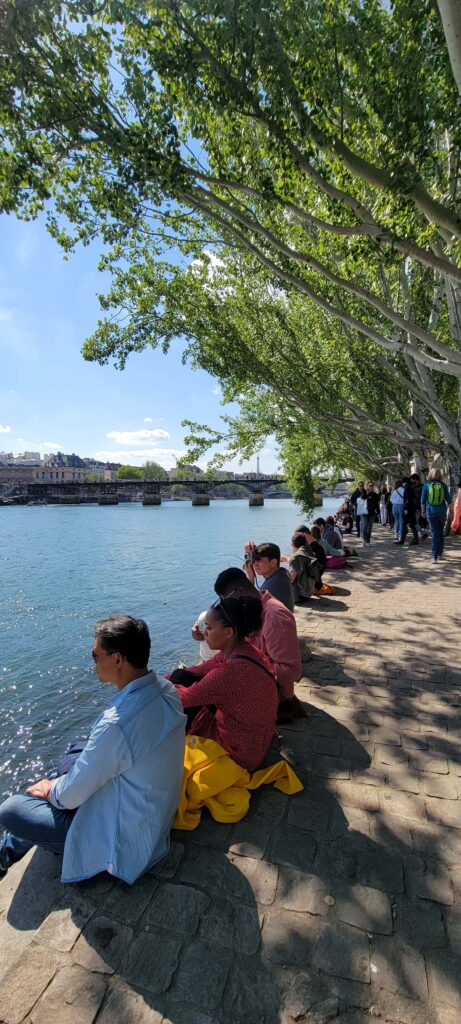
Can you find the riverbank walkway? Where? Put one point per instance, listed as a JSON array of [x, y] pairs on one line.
[[342, 903]]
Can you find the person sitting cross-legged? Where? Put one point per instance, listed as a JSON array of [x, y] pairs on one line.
[[305, 572], [114, 808]]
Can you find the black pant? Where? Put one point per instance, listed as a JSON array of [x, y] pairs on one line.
[[409, 521]]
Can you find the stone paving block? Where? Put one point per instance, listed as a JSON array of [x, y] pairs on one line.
[[102, 945], [151, 960], [336, 858], [453, 925], [306, 996], [24, 983], [414, 742], [391, 755], [428, 841], [271, 808], [397, 966], [379, 867], [128, 902], [356, 753], [123, 1005], [179, 1013], [201, 976], [373, 776], [293, 847], [438, 785], [330, 745], [203, 867], [446, 812], [213, 834], [455, 877], [363, 907], [392, 833], [250, 839], [95, 888], [403, 805], [288, 938], [423, 761], [351, 794], [331, 767], [302, 892], [249, 879], [304, 812], [177, 908], [61, 929], [250, 995], [386, 734], [74, 995], [342, 951], [444, 978], [231, 924], [402, 779], [392, 1007], [420, 922], [350, 819], [428, 880], [168, 866]]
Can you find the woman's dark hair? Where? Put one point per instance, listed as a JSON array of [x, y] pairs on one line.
[[121, 634], [302, 529], [330, 520], [244, 614], [298, 540], [397, 483], [316, 532]]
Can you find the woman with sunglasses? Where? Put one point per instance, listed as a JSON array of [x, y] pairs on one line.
[[238, 683]]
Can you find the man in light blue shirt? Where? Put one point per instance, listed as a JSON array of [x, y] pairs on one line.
[[114, 809]]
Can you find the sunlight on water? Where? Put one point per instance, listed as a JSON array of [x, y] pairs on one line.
[[62, 568]]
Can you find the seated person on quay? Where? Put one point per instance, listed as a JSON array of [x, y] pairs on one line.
[[276, 638], [264, 560], [304, 569], [325, 544], [329, 534], [233, 697], [114, 808]]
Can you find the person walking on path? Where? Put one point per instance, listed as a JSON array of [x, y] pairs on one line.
[[397, 499], [411, 507], [367, 510], [435, 500]]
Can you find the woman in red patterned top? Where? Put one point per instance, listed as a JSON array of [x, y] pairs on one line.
[[238, 682]]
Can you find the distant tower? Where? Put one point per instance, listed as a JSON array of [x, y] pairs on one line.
[[257, 465]]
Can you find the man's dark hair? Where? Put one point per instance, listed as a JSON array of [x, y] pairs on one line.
[[415, 477], [121, 634], [330, 521], [298, 540], [316, 532], [267, 550], [303, 529], [405, 479], [233, 578], [319, 521]]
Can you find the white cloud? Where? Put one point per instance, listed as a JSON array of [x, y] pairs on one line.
[[34, 446], [148, 419], [165, 456], [135, 436], [217, 390], [5, 429]]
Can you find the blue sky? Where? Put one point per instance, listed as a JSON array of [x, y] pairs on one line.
[[51, 399]]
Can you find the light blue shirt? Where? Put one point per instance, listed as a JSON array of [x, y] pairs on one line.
[[125, 784]]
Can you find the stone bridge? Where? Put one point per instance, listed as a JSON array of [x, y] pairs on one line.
[[72, 492]]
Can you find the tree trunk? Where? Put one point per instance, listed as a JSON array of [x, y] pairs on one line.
[[450, 13]]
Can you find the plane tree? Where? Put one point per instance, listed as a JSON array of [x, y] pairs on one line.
[[314, 142]]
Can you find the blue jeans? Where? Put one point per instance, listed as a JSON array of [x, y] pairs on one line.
[[398, 519], [31, 822], [437, 525], [366, 525]]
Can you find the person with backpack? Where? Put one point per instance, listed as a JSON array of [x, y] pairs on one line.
[[435, 500]]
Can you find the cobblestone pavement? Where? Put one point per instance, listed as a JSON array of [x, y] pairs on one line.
[[340, 904]]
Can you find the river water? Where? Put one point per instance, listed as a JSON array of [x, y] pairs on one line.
[[62, 568]]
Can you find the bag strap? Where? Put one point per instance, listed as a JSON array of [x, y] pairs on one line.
[[244, 657]]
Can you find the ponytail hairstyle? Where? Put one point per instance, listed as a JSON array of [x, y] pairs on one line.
[[244, 614]]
